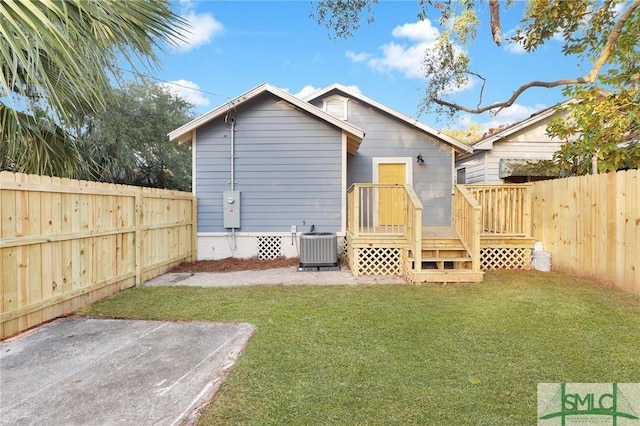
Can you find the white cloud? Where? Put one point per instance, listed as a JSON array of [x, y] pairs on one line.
[[188, 91], [421, 31], [308, 89], [517, 48], [405, 54], [305, 91], [203, 28], [512, 46], [406, 58], [354, 88], [463, 121], [505, 118], [398, 57], [357, 57], [514, 114], [472, 81]]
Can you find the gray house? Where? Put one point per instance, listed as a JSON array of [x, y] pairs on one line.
[[268, 166], [502, 157]]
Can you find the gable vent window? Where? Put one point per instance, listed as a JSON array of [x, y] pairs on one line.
[[336, 107]]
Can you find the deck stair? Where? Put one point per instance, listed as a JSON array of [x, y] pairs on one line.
[[439, 254], [444, 259]]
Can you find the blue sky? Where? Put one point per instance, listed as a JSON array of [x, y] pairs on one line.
[[237, 45]]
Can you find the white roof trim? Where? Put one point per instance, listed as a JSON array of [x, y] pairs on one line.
[[487, 143], [410, 120], [183, 133]]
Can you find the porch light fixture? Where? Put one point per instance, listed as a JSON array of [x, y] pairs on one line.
[[420, 159]]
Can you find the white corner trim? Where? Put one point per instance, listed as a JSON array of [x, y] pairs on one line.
[[343, 206], [193, 161]]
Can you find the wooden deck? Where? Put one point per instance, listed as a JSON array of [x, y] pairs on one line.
[[460, 253]]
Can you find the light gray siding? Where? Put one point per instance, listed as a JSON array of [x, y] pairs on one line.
[[529, 151], [475, 167], [540, 148], [530, 143], [387, 136], [287, 168]]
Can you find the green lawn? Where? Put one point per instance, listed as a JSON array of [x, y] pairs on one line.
[[427, 354]]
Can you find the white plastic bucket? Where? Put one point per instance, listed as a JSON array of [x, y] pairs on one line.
[[541, 261]]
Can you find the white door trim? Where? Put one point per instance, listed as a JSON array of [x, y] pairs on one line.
[[407, 161]]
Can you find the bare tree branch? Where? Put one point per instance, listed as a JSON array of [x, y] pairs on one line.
[[588, 78], [484, 83], [496, 30]]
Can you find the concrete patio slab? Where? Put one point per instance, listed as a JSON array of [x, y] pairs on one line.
[[276, 276], [79, 371]]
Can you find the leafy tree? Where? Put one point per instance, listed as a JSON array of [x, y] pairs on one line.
[[61, 55], [470, 134], [128, 143], [601, 34]]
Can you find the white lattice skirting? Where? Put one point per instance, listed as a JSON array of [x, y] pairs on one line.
[[376, 261], [269, 248], [505, 258]]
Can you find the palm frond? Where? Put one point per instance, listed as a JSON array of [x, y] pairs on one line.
[[62, 53]]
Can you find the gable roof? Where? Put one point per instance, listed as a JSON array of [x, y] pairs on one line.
[[456, 144], [185, 133], [487, 143]]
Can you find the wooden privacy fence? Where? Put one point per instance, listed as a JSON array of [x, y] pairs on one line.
[[591, 226], [66, 243]]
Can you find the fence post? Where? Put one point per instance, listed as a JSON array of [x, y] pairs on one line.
[[138, 218], [194, 229]]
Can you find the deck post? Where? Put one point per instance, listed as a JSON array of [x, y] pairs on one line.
[[417, 240], [475, 254], [357, 196], [527, 210]]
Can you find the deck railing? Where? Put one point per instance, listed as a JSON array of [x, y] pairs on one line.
[[376, 209], [386, 210], [467, 219], [506, 209]]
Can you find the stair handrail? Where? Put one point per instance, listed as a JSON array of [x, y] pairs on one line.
[[414, 225], [467, 223]]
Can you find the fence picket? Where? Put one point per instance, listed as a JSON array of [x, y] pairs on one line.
[[590, 224], [65, 243]]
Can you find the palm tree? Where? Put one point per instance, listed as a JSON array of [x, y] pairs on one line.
[[61, 56]]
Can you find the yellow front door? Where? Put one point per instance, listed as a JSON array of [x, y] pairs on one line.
[[391, 201]]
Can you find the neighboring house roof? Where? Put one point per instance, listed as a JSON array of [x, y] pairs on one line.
[[185, 133], [456, 144], [487, 143]]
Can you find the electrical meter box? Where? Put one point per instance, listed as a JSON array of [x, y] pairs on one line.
[[231, 209]]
